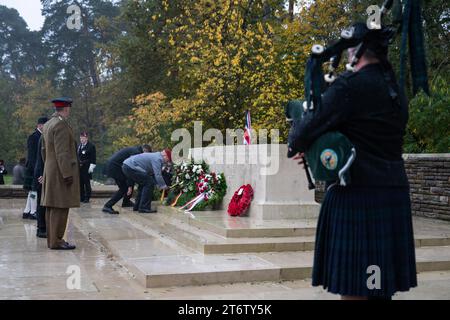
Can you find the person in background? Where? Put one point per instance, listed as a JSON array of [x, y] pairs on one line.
[[19, 172], [114, 170], [146, 170], [41, 228], [87, 158], [32, 143], [2, 171]]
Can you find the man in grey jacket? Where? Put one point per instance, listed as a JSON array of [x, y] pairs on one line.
[[145, 169]]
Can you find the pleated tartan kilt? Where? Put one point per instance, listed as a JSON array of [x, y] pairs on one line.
[[359, 227]]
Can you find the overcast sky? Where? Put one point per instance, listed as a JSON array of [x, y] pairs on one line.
[[30, 11]]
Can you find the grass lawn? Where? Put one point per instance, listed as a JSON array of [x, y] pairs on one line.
[[8, 179]]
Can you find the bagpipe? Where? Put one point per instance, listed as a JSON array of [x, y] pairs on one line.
[[331, 155]]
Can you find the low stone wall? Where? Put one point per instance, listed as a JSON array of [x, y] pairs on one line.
[[12, 191], [429, 178]]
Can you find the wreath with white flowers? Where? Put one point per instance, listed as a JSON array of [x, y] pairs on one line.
[[194, 187]]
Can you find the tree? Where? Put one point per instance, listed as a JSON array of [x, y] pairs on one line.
[[429, 120], [78, 63], [223, 55], [21, 50]]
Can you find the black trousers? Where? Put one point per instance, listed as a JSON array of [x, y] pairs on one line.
[[145, 190], [121, 181], [85, 183], [40, 212]]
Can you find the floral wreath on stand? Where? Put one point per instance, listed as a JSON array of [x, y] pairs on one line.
[[195, 187], [240, 202]]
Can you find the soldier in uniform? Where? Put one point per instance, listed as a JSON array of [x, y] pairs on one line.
[[60, 188], [114, 170], [87, 158], [368, 222], [32, 147]]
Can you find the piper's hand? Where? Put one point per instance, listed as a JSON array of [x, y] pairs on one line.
[[130, 191], [41, 179], [91, 168], [68, 180], [299, 156]]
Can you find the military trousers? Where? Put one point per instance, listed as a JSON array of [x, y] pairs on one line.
[[116, 173], [85, 183], [56, 221], [145, 190]]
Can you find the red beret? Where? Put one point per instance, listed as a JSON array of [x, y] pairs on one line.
[[169, 154]]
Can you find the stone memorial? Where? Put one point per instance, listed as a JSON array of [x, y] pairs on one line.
[[279, 183]]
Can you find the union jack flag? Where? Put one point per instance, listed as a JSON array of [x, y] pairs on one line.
[[248, 128]]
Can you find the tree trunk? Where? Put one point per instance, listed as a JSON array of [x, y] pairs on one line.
[[291, 9]]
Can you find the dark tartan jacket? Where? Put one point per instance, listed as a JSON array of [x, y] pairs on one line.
[[359, 105]]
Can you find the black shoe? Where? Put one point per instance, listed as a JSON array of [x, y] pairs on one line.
[[128, 204], [135, 209], [65, 246], [110, 210], [32, 216], [147, 211], [86, 201], [41, 234], [26, 215]]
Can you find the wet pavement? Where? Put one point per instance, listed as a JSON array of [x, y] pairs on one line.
[[29, 270]]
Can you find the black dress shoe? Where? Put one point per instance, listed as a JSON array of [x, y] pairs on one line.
[[135, 209], [147, 211], [25, 215], [32, 216], [128, 204], [41, 234], [86, 201], [110, 210], [65, 246]]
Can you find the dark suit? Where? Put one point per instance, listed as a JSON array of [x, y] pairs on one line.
[[39, 172], [32, 149], [114, 170], [86, 157]]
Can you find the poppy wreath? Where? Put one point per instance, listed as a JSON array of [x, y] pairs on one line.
[[240, 202]]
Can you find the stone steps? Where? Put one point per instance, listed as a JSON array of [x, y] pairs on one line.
[[207, 242], [17, 192], [163, 250], [198, 269], [182, 228], [243, 227]]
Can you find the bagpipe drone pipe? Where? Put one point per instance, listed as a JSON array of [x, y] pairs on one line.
[[331, 155]]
